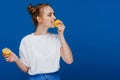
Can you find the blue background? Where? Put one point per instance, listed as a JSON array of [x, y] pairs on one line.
[[92, 31]]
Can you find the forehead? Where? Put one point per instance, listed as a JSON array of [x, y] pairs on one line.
[[47, 10]]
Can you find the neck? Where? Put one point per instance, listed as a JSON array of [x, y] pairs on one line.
[[41, 30]]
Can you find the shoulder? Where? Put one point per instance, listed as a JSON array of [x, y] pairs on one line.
[[54, 35], [27, 37]]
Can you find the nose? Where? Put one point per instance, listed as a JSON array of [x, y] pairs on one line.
[[54, 17]]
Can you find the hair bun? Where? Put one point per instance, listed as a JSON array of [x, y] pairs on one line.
[[31, 9]]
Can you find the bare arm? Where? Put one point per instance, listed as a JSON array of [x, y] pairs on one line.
[[65, 50], [14, 58]]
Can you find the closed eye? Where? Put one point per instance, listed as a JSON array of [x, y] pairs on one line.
[[50, 14]]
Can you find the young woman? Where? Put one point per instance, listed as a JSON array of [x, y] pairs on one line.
[[40, 51]]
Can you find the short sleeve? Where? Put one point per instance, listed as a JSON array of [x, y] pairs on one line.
[[58, 40], [23, 54]]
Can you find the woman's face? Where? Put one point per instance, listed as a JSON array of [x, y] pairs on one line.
[[48, 16]]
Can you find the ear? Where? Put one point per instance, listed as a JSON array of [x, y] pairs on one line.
[[39, 19]]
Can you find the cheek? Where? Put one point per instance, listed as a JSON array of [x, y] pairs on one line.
[[46, 20]]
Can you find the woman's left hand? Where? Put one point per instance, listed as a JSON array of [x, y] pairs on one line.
[[61, 28]]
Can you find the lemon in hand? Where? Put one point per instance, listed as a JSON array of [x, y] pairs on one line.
[[6, 52], [57, 23]]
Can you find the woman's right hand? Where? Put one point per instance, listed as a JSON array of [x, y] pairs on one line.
[[11, 58]]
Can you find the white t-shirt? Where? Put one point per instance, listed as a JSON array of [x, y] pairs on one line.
[[41, 53]]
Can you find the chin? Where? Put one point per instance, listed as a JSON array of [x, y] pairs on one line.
[[51, 27]]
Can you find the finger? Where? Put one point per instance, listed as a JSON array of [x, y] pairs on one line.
[[7, 59], [6, 56], [60, 24], [12, 53], [3, 55], [59, 30]]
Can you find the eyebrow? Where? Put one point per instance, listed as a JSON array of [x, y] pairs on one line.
[[51, 12]]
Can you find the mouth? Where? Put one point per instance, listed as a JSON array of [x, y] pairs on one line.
[[52, 22]]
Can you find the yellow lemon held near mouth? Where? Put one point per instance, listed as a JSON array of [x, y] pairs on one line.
[[6, 51], [56, 23]]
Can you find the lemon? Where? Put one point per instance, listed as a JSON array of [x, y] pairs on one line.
[[57, 23], [6, 51]]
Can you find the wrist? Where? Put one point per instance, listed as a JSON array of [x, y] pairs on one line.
[[61, 35], [16, 60]]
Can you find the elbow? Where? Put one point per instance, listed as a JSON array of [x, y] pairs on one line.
[[69, 61], [25, 70]]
